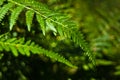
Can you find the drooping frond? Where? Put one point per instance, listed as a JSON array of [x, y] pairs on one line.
[[17, 46], [78, 38], [14, 16]]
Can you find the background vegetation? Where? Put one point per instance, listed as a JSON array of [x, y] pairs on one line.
[[98, 20]]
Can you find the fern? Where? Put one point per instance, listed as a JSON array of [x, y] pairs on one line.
[[14, 16], [4, 10], [48, 20], [29, 17], [1, 2], [25, 48], [41, 21]]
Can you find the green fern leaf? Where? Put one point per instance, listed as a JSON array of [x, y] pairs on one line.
[[28, 42], [21, 50], [78, 38], [4, 10], [14, 16], [50, 26], [20, 41], [6, 47], [14, 50], [1, 2], [55, 56], [25, 48], [29, 18], [1, 49], [11, 40], [60, 31], [41, 22]]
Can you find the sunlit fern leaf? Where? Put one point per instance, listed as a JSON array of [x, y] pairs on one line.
[[41, 22], [29, 18], [1, 2], [4, 10], [21, 50], [28, 42], [11, 40], [14, 16], [56, 57], [25, 48], [2, 46], [1, 49], [32, 44], [20, 41], [7, 48], [14, 50]]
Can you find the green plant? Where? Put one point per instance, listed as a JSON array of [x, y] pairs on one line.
[[48, 20]]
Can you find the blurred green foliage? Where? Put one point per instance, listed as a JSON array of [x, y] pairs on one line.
[[99, 20]]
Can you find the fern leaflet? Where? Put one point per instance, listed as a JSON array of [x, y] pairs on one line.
[[29, 17], [4, 10], [41, 21], [14, 16]]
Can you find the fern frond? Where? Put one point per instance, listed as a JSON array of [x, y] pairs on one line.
[[4, 10], [78, 38], [29, 18], [25, 48], [14, 16], [56, 22]]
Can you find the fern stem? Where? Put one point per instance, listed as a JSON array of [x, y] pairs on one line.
[[37, 13]]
